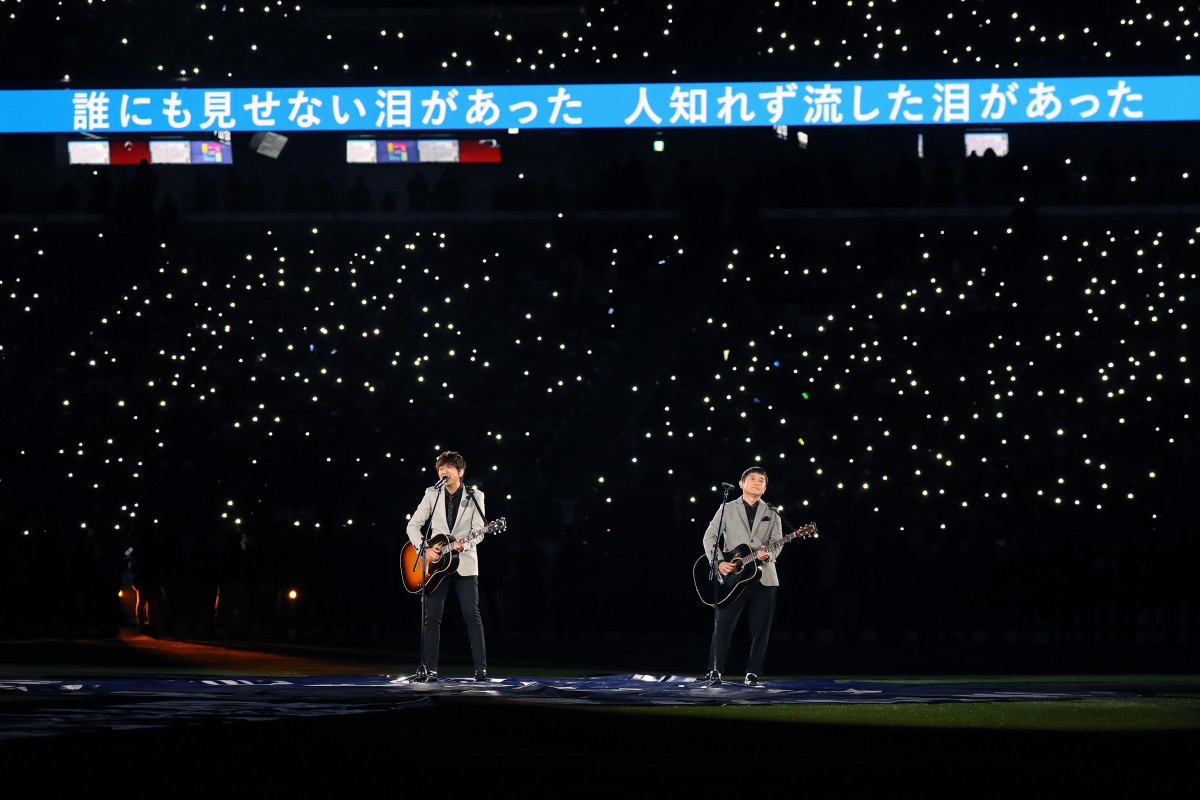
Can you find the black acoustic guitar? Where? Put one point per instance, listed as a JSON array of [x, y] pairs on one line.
[[431, 573], [720, 590]]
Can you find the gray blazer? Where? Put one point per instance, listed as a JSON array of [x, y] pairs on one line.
[[767, 529], [469, 519]]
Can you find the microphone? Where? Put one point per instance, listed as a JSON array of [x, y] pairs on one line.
[[727, 485], [441, 483]]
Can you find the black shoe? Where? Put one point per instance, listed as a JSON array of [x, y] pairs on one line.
[[751, 679], [481, 675], [428, 677], [712, 677]]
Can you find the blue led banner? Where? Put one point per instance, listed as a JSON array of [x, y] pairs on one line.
[[551, 106]]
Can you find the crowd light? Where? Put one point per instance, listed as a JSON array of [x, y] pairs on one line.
[[257, 387]]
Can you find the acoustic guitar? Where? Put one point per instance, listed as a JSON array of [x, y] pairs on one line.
[[430, 573], [719, 590]]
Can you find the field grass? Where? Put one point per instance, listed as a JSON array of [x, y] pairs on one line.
[[1137, 714]]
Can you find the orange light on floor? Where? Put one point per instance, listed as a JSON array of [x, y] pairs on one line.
[[293, 594]]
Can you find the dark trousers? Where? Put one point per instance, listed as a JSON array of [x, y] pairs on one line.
[[467, 589], [760, 601]]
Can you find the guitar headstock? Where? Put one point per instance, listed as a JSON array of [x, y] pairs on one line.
[[808, 531]]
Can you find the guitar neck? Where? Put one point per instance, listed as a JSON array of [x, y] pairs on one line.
[[774, 548], [777, 546], [476, 535]]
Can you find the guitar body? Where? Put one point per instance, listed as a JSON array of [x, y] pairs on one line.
[[421, 573], [432, 572], [721, 590]]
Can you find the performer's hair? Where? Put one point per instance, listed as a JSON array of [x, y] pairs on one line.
[[451, 458], [755, 468]]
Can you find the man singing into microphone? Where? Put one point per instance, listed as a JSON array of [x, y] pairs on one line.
[[452, 510], [749, 521]]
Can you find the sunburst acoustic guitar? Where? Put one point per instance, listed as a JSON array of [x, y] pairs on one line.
[[430, 573]]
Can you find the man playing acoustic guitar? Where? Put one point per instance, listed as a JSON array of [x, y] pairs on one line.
[[748, 521], [452, 511]]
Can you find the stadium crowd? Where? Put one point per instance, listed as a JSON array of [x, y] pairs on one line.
[[973, 374]]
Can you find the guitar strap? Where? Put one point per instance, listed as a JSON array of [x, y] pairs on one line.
[[474, 502], [769, 528]]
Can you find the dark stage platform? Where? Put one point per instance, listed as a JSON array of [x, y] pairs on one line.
[[58, 707], [207, 719]]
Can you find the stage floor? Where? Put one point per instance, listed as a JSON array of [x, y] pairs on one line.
[[201, 719], [136, 682], [43, 707]]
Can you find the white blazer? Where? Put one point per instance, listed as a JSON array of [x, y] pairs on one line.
[[470, 518]]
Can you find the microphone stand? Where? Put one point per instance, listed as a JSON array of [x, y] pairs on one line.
[[714, 574], [423, 671]]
